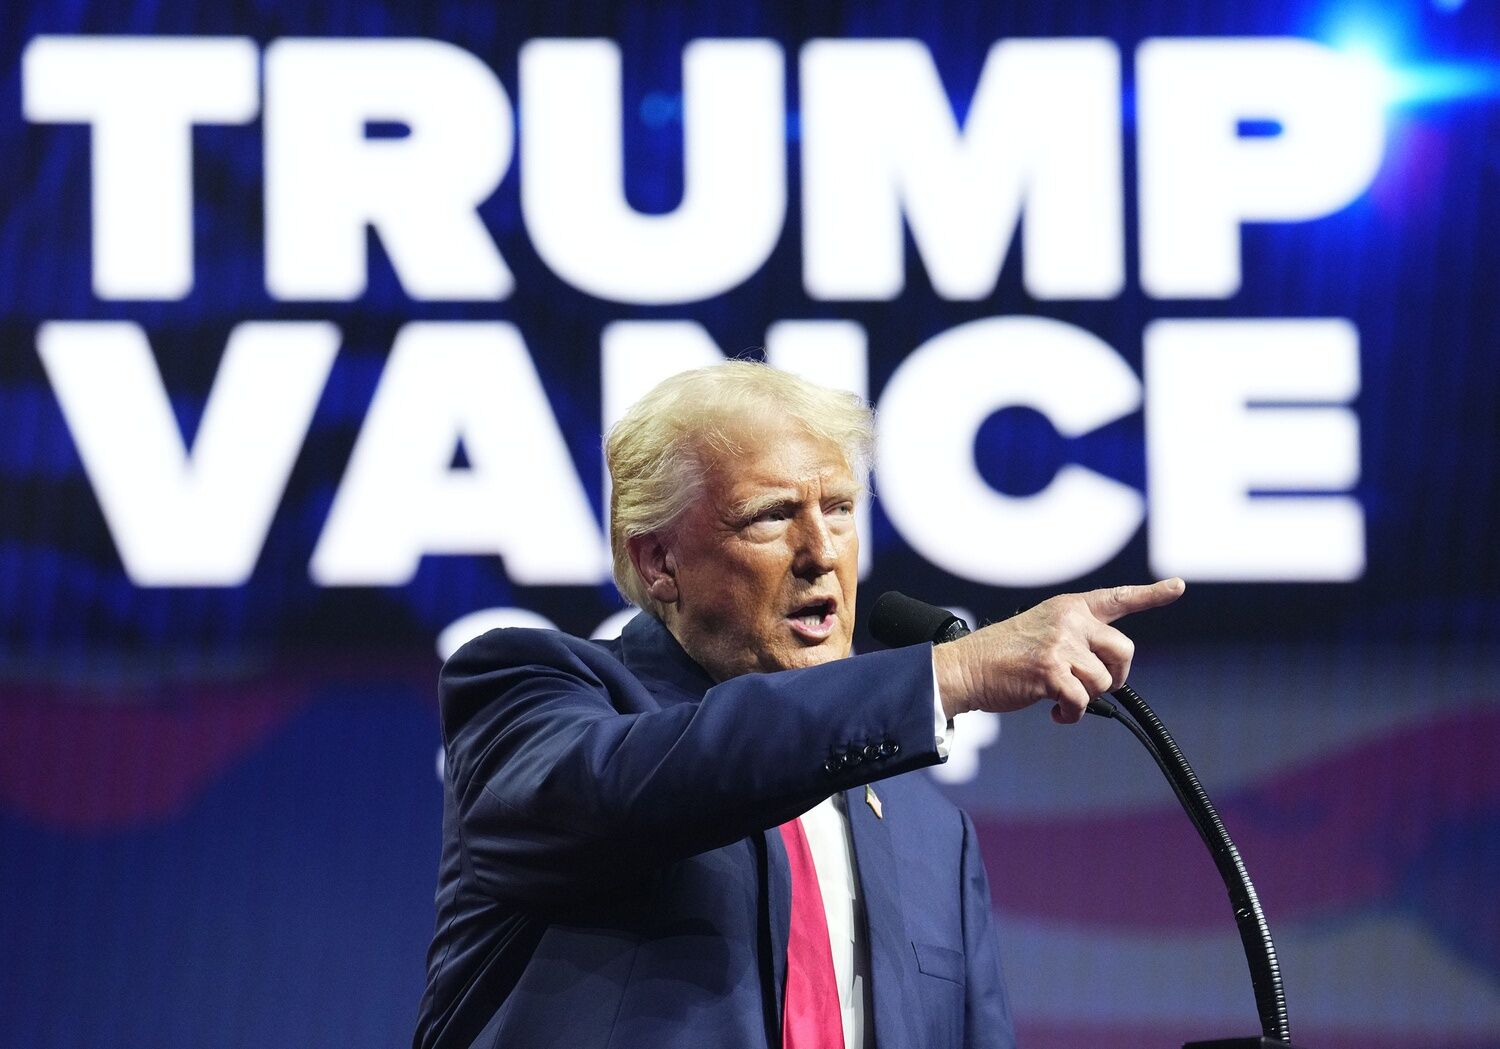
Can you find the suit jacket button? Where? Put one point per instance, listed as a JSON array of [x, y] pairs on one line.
[[832, 766], [872, 751], [889, 748]]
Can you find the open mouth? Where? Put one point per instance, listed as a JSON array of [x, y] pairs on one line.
[[814, 620]]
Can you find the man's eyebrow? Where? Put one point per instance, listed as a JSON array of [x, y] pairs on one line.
[[755, 505], [841, 492]]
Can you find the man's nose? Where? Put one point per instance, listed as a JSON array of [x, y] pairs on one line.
[[817, 553]]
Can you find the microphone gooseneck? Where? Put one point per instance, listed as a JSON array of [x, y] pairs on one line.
[[1255, 933], [899, 620]]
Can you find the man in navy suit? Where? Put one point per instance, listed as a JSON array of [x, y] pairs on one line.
[[698, 834]]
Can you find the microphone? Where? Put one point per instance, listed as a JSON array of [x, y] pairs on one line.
[[899, 620]]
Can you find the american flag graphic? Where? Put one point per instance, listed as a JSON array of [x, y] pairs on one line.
[[261, 846]]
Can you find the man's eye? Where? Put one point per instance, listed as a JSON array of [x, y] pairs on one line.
[[843, 509], [765, 517]]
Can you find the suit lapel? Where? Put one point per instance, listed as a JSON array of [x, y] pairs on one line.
[[778, 896], [669, 673], [892, 962], [658, 662]]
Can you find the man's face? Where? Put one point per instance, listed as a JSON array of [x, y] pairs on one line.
[[766, 561]]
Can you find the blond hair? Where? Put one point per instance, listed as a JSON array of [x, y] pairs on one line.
[[659, 452]]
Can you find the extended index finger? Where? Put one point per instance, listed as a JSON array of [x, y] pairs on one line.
[[1112, 602]]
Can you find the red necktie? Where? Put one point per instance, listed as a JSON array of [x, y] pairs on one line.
[[810, 1016]]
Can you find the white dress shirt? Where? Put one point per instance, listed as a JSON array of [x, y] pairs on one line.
[[826, 825]]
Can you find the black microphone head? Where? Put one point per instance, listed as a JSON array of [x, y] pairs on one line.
[[899, 620]]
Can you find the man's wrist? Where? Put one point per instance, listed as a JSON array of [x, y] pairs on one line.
[[951, 676]]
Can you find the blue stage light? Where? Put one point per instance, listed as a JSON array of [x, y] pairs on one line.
[[1414, 83]]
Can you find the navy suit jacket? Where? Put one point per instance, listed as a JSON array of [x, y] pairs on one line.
[[611, 875]]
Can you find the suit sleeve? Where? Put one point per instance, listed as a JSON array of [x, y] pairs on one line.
[[555, 789], [987, 1017]]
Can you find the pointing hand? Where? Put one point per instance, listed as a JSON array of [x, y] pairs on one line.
[[1063, 649]]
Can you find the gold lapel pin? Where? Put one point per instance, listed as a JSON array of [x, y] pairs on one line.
[[874, 802]]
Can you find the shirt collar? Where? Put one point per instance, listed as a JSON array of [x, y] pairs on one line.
[[648, 648]]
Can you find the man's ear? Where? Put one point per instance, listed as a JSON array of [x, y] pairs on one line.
[[655, 564]]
